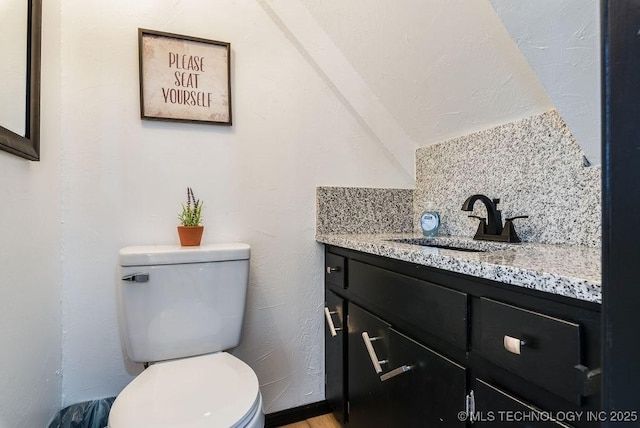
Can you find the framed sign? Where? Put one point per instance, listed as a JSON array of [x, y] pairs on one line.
[[185, 79]]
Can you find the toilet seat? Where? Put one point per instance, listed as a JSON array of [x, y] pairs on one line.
[[213, 390]]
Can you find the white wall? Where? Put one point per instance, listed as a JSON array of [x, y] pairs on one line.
[[123, 180], [561, 42], [30, 262]]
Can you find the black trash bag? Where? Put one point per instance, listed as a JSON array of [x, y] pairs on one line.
[[90, 414]]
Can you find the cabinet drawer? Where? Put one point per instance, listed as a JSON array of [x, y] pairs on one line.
[[416, 305], [549, 348], [334, 271], [493, 407]]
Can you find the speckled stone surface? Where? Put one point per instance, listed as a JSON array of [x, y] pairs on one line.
[[569, 271], [363, 210], [534, 166]]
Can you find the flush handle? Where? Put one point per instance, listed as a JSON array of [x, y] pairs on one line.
[[136, 277]]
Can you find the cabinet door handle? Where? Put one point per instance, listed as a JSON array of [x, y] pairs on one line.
[[331, 269], [372, 352], [513, 344], [332, 328], [395, 372]]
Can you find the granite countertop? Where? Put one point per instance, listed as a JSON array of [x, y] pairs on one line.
[[571, 271]]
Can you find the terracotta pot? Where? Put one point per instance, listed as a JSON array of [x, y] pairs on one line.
[[190, 236]]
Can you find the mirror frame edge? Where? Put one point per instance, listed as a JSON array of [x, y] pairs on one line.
[[28, 147]]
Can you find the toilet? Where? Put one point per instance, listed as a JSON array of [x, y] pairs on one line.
[[181, 308]]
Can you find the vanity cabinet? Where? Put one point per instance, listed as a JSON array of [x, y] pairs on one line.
[[413, 346]]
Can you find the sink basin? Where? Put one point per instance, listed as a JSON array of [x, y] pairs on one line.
[[455, 244], [427, 242]]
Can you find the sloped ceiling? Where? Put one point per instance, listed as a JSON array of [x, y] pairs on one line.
[[438, 68], [561, 41], [442, 68]]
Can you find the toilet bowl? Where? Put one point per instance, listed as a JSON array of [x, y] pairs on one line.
[[214, 390], [181, 308]]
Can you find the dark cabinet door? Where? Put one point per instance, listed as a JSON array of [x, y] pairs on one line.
[[413, 386], [335, 354], [493, 407], [427, 389], [369, 399]]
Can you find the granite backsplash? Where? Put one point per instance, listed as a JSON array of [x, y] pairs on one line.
[[534, 166], [363, 210]]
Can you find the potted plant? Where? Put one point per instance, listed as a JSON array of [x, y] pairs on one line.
[[190, 230]]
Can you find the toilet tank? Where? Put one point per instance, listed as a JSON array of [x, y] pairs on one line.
[[178, 302]]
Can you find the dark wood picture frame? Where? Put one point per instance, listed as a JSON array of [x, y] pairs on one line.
[[28, 146], [178, 86]]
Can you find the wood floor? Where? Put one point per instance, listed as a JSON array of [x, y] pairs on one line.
[[324, 421]]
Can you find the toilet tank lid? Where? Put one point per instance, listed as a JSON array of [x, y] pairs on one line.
[[175, 254]]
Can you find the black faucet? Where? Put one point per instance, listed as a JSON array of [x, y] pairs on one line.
[[492, 229], [494, 217]]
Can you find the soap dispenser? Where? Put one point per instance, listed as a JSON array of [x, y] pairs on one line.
[[430, 220]]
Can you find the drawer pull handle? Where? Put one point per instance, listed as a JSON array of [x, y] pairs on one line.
[[372, 352], [589, 380], [395, 372], [332, 269], [332, 328], [513, 344]]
